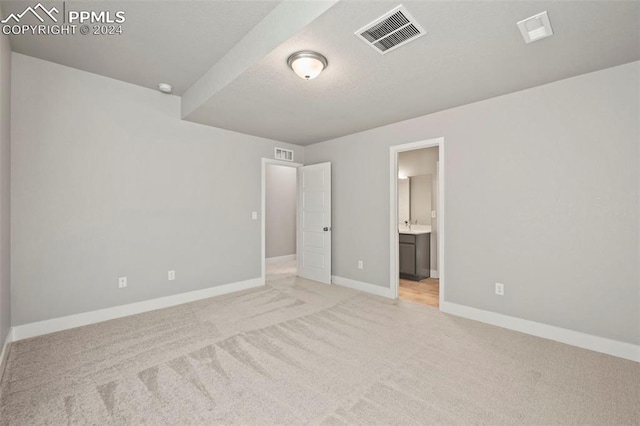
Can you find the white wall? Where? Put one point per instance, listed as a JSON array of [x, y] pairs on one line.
[[5, 178], [107, 181], [542, 194], [280, 216]]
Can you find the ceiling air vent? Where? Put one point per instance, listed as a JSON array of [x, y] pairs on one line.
[[284, 154], [390, 31]]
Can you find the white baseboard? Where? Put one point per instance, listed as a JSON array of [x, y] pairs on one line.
[[280, 258], [362, 286], [5, 352], [434, 274], [575, 338], [72, 321]]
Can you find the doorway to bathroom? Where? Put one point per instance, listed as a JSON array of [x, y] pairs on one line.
[[417, 194]]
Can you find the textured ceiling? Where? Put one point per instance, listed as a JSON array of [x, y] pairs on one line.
[[162, 41], [473, 51]]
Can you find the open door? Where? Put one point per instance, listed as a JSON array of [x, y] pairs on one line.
[[314, 222]]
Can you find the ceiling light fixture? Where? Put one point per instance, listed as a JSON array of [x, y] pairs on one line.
[[165, 87], [535, 27], [307, 64]]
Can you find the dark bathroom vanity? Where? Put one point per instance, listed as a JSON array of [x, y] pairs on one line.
[[415, 255]]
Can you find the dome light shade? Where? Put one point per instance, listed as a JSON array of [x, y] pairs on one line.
[[165, 87], [307, 64]]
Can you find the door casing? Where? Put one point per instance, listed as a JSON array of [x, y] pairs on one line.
[[393, 212]]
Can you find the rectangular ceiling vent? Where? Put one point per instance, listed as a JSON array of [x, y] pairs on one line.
[[535, 27], [284, 154], [392, 30]]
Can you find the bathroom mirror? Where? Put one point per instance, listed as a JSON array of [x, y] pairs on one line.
[[414, 199]]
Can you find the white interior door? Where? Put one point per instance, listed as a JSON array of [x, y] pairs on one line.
[[314, 222]]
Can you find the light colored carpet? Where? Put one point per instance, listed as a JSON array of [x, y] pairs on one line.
[[299, 352]]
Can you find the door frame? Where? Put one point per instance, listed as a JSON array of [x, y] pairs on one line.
[[263, 208], [394, 259]]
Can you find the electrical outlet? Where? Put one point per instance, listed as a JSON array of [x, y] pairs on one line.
[[122, 282], [360, 264], [433, 214], [171, 275], [254, 215], [500, 289]]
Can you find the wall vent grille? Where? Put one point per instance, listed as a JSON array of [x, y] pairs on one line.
[[284, 154], [392, 30]]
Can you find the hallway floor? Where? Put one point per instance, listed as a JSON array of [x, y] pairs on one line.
[[278, 270]]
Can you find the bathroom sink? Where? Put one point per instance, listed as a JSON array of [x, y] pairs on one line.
[[415, 230]]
